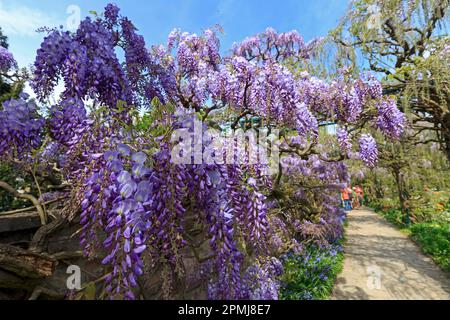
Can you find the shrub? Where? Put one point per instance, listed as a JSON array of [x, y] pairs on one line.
[[394, 216], [17, 181], [434, 239]]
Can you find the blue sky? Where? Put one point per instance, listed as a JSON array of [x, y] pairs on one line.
[[156, 18]]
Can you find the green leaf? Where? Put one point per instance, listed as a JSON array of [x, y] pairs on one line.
[[89, 291]]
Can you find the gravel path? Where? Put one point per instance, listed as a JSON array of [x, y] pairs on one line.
[[382, 263]]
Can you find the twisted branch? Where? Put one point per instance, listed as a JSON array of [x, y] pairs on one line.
[[15, 193]]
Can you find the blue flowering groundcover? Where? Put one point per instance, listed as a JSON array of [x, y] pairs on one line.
[[311, 274]]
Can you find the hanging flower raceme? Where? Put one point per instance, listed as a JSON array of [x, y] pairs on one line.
[[80, 137], [67, 120], [228, 262], [368, 150], [116, 201], [111, 14], [343, 140], [390, 120], [144, 208], [21, 127], [49, 63], [7, 61], [367, 86]]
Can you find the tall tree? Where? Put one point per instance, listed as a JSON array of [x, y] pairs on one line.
[[3, 40], [11, 79], [407, 43]]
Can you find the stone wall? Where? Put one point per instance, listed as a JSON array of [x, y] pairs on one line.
[[63, 245]]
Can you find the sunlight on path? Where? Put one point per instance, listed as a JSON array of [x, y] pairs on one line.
[[382, 263]]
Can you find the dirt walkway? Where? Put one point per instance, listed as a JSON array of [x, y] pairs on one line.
[[382, 263]]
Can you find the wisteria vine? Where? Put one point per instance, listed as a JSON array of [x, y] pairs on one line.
[[137, 205]]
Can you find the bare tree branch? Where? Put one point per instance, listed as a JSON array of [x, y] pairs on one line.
[[15, 193]]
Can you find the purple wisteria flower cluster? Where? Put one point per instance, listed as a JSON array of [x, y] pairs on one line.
[[259, 282], [344, 141], [260, 86], [21, 127], [252, 80], [7, 60], [67, 121], [368, 150], [117, 199], [390, 120], [138, 206], [148, 206], [319, 217], [143, 206], [270, 45], [86, 61]]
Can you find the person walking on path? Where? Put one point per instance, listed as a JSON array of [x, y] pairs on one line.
[[346, 199], [359, 195], [354, 198], [350, 197]]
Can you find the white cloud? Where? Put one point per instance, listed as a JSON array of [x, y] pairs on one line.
[[53, 98], [23, 20]]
